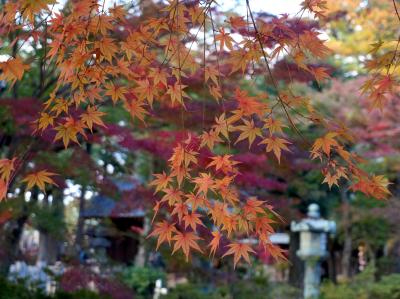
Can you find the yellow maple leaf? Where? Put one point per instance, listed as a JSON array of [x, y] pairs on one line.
[[39, 179], [249, 131], [276, 144]]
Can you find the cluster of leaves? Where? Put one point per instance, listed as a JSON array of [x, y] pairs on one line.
[[100, 60]]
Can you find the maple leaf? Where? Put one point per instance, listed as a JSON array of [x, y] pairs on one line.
[[263, 225], [3, 189], [223, 163], [172, 196], [146, 91], [224, 39], [180, 172], [218, 213], [273, 125], [116, 92], [45, 120], [249, 105], [204, 183], [214, 244], [192, 220], [237, 22], [12, 70], [331, 179], [6, 168], [39, 178], [183, 156], [92, 116], [176, 93], [309, 40], [164, 231], [325, 143], [276, 252], [222, 126], [135, 108], [195, 200], [32, 7], [67, 132], [276, 144], [186, 241], [239, 60], [320, 74], [252, 207], [161, 181], [209, 139], [249, 131], [216, 92], [239, 250], [158, 75], [230, 224], [118, 11], [108, 47], [380, 187], [181, 209], [316, 6], [211, 72]]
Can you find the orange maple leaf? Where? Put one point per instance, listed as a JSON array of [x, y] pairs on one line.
[[192, 220], [172, 196], [181, 209], [164, 231], [116, 92], [161, 181], [135, 108], [223, 163], [12, 70], [209, 139], [214, 244], [249, 105], [3, 189], [204, 183], [92, 116], [185, 241], [253, 207], [239, 250], [195, 200], [320, 74], [325, 143], [224, 40]]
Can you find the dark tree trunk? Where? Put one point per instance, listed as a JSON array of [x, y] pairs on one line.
[[81, 221], [296, 270], [12, 234], [347, 246]]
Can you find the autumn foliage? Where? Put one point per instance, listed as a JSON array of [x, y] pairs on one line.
[[101, 60]]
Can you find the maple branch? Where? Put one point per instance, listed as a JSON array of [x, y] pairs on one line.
[[395, 8], [271, 75]]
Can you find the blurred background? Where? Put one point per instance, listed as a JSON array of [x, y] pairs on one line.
[[87, 238]]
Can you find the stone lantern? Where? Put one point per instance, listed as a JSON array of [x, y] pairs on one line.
[[313, 242]]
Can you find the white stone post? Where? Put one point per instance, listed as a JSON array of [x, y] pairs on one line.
[[313, 240]]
